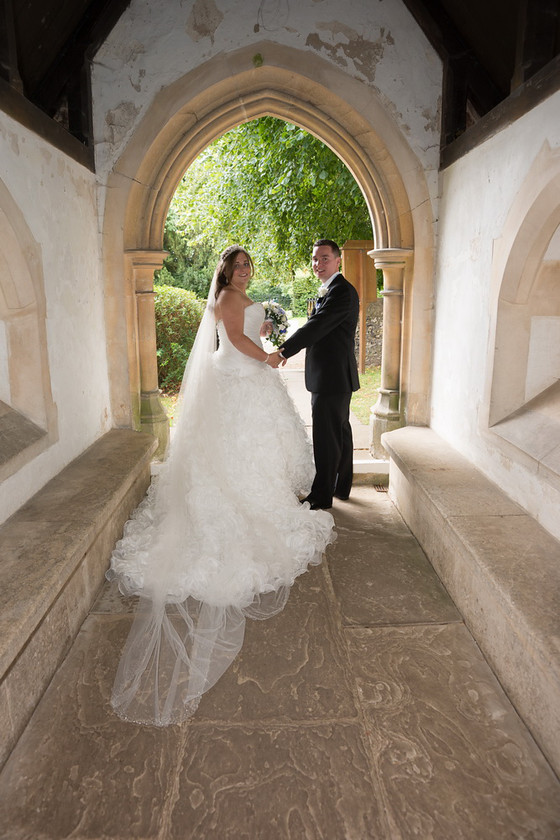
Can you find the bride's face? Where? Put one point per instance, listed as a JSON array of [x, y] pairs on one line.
[[241, 273]]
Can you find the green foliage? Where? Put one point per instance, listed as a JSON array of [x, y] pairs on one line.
[[304, 286], [178, 315], [187, 266], [273, 188], [262, 289], [163, 277], [363, 399]]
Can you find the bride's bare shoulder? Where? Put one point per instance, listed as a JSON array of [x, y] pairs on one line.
[[230, 301]]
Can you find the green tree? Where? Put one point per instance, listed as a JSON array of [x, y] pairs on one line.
[[188, 266], [272, 187]]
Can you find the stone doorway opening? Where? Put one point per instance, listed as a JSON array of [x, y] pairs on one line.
[[180, 123]]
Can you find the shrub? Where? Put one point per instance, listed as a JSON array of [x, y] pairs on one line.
[[304, 287], [178, 315]]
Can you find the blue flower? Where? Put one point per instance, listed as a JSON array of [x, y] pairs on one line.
[[274, 313]]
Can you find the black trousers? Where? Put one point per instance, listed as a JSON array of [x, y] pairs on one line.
[[333, 446]]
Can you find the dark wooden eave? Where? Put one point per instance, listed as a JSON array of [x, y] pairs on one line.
[[493, 52], [46, 48], [489, 50]]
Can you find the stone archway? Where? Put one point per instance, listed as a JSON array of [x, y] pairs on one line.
[[523, 390], [189, 114], [28, 417]]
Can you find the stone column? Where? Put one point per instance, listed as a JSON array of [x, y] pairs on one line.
[[386, 413], [153, 418]]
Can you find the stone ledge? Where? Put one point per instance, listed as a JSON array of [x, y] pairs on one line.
[[54, 552], [501, 568]]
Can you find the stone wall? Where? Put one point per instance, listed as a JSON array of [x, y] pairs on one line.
[[154, 44], [170, 79], [498, 310], [53, 354], [374, 333]]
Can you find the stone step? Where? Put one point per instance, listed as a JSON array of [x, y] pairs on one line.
[[54, 554], [501, 568]]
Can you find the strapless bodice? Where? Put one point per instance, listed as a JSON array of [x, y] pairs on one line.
[[227, 356]]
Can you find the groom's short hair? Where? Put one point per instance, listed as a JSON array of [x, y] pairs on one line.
[[332, 245]]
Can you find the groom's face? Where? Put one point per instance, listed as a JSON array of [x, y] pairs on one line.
[[324, 262]]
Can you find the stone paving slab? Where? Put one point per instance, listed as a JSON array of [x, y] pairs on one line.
[[272, 783], [450, 753], [317, 732], [292, 667], [78, 770], [380, 575]]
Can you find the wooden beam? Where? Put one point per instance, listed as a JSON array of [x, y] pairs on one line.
[[537, 26], [20, 109], [437, 26], [523, 99], [464, 77], [79, 107], [65, 75], [454, 98], [8, 46]]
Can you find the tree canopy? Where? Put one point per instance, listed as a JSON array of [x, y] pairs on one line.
[[271, 187]]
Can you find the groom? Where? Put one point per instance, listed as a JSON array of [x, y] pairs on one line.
[[331, 374]]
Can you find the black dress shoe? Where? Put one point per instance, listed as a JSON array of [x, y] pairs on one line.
[[342, 498], [315, 505]]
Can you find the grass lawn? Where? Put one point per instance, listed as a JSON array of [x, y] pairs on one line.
[[361, 404], [168, 401], [363, 399]]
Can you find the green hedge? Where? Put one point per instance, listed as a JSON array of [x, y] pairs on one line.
[[304, 287], [178, 314]]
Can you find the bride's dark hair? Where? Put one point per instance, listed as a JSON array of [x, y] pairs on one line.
[[224, 269]]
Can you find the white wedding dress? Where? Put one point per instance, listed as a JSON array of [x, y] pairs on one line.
[[220, 536]]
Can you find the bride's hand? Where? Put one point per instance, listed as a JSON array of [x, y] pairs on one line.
[[266, 328], [274, 360]]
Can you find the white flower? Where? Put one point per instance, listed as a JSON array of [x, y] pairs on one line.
[[322, 291], [274, 313]]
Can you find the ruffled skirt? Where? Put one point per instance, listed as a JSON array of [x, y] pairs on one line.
[[221, 536]]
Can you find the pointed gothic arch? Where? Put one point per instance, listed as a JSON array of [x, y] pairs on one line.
[[28, 416], [192, 112], [523, 384]]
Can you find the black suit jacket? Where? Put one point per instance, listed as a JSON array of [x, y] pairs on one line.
[[328, 335]]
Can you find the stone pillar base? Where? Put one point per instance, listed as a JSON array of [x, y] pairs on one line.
[[378, 426], [154, 420], [385, 417]]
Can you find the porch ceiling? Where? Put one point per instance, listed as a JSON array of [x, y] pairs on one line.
[[488, 48]]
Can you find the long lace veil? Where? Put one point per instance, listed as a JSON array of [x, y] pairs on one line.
[[177, 647]]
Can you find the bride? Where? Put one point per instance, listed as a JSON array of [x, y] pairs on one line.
[[221, 534]]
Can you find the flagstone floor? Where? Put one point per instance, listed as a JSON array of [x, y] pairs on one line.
[[364, 711]]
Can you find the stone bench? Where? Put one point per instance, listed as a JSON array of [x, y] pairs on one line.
[[501, 568], [53, 556]]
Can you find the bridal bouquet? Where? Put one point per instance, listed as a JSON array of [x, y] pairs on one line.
[[274, 313]]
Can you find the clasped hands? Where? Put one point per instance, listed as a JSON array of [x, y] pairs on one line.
[[275, 360]]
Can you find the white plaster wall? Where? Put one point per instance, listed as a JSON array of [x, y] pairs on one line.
[[57, 197], [157, 42], [477, 193], [4, 370]]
